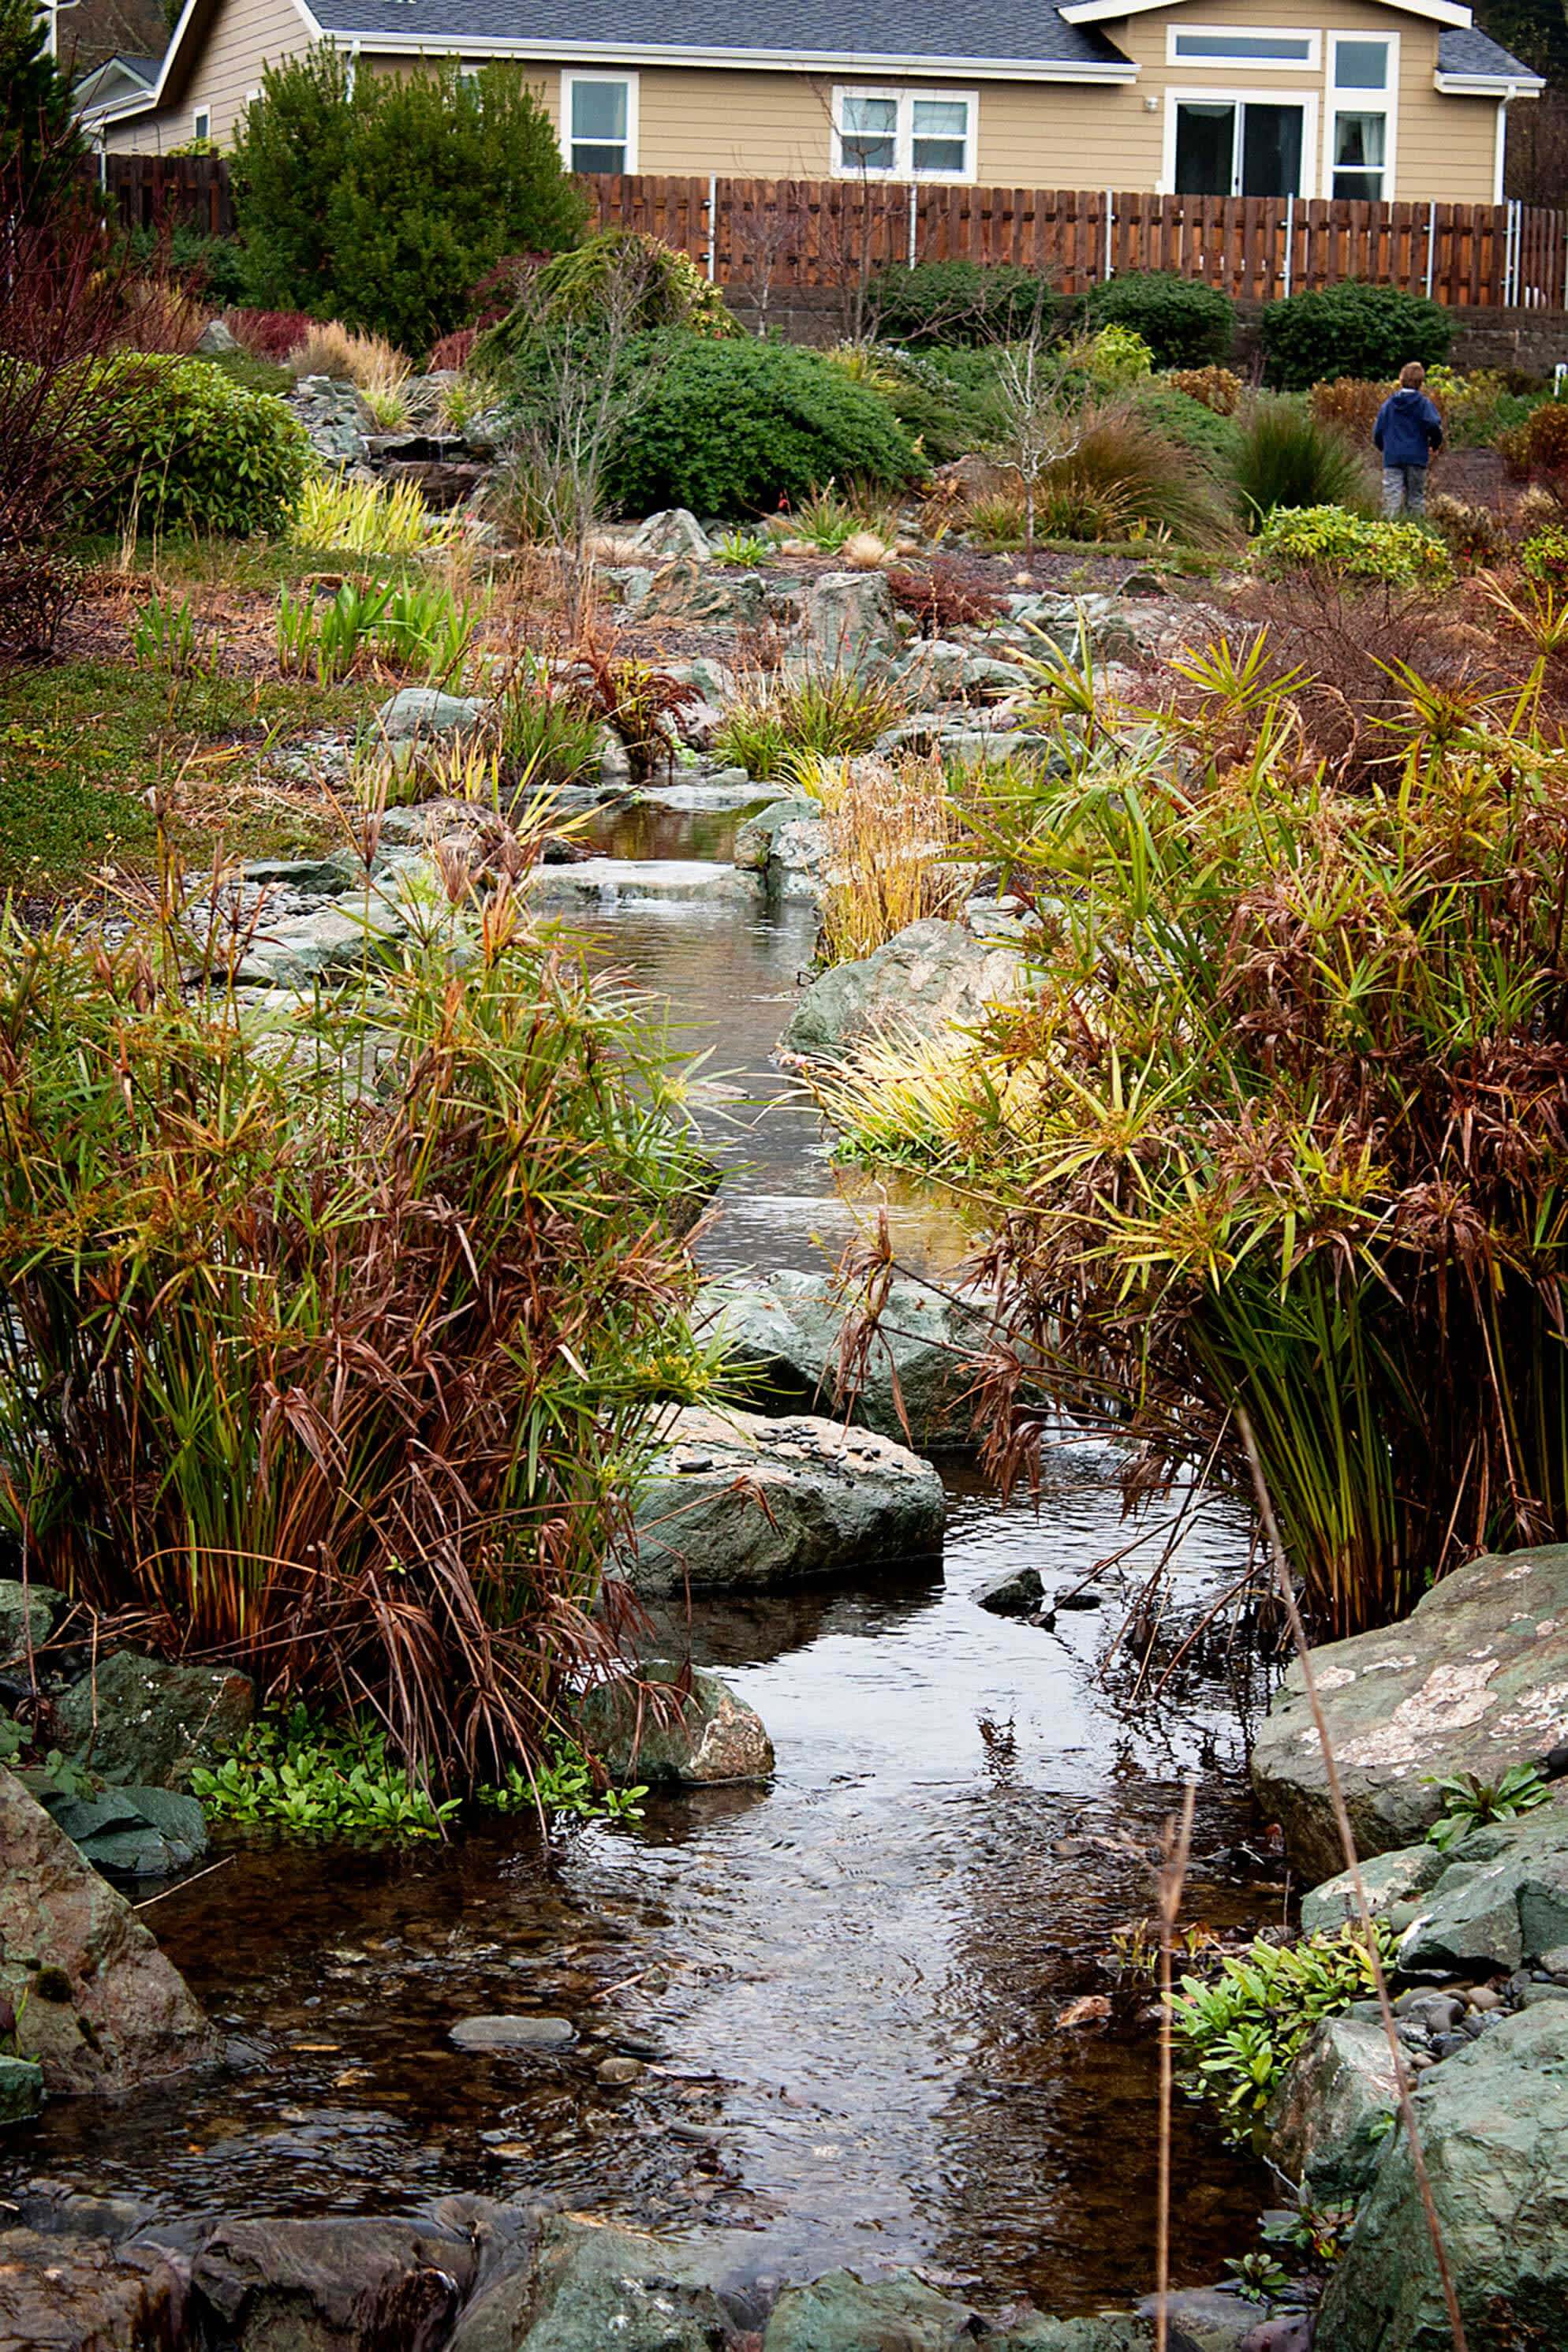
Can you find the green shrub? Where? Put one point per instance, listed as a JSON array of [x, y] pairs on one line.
[[673, 292], [214, 269], [1545, 557], [384, 203], [190, 447], [1539, 446], [1283, 455], [1356, 547], [1240, 2032], [731, 428], [960, 302], [1205, 432], [1350, 330], [550, 736], [832, 714], [1185, 323]]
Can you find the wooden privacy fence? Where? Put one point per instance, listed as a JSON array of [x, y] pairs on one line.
[[780, 234], [783, 233]]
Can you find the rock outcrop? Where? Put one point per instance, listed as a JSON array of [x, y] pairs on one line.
[[1474, 1680], [736, 1503], [1327, 2121], [1493, 2122], [668, 1738], [97, 2006], [930, 977], [787, 1331], [147, 1720]]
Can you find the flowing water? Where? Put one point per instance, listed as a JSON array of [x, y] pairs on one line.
[[852, 1991]]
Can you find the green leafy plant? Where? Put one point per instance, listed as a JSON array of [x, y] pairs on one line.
[[673, 292], [1468, 1802], [1120, 479], [562, 1783], [344, 517], [773, 725], [1352, 330], [164, 635], [1185, 323], [425, 627], [331, 635], [1240, 2030], [180, 444], [1284, 455], [745, 549], [1353, 546], [1259, 2277], [734, 428], [549, 734], [1545, 557], [336, 1781]]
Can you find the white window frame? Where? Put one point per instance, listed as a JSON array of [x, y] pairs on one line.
[[1313, 63], [569, 81], [1355, 101], [201, 122], [1308, 100], [903, 134]]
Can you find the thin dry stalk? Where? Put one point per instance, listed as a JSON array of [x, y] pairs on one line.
[[1287, 1589], [1170, 1880]]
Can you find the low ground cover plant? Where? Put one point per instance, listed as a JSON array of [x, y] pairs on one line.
[[1350, 330], [203, 1220], [1356, 546], [1238, 2029]]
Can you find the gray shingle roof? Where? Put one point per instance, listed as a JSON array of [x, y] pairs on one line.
[[873, 28], [1463, 49]]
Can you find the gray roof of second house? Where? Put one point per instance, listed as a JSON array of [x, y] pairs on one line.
[[989, 29], [1466, 49]]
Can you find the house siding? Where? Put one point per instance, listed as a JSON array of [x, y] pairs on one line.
[[776, 125], [247, 37]]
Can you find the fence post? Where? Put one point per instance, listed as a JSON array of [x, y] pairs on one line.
[[1289, 241], [914, 206], [1431, 247], [1108, 271], [712, 224]]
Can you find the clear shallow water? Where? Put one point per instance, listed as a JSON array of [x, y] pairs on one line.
[[846, 1988]]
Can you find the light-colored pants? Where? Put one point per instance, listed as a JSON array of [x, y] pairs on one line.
[[1403, 490]]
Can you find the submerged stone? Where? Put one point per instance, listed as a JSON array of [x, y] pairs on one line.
[[21, 2089], [1022, 1595], [667, 1738], [513, 2033]]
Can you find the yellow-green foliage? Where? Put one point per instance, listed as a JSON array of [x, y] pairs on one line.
[[348, 518]]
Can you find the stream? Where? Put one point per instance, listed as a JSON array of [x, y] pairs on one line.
[[845, 1989]]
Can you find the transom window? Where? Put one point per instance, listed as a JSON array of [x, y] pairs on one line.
[[902, 134], [1284, 51], [1362, 79], [599, 122]]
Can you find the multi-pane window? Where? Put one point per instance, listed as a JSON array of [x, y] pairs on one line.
[[1361, 148], [598, 114], [890, 134]]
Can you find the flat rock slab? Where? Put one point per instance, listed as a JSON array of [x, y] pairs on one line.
[[1474, 1680], [677, 881], [931, 977], [655, 1731], [737, 1502], [1493, 2122], [513, 2033], [784, 1336], [97, 2006]]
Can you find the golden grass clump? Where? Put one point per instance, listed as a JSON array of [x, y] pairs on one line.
[[891, 838], [376, 367]]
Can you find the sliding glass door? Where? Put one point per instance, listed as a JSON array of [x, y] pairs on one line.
[[1238, 147]]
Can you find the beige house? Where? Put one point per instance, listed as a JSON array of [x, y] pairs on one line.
[[1390, 100]]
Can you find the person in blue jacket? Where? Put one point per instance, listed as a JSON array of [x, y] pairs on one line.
[[1407, 431]]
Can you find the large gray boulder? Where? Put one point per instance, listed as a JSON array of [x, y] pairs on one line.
[[932, 976], [1474, 1680], [844, 2313], [674, 532], [145, 1720], [786, 1330], [423, 713], [595, 2288], [97, 2007], [671, 1737], [1326, 2122], [1493, 2123], [1501, 1902], [26, 1612], [301, 2286], [1389, 1881], [848, 619], [738, 1503]]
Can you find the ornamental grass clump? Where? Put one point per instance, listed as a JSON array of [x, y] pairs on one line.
[[1282, 1121], [328, 1338], [891, 838]]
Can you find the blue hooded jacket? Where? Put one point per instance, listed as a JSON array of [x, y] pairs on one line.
[[1408, 429]]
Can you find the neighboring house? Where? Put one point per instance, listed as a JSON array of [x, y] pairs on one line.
[[111, 88], [1381, 99]]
